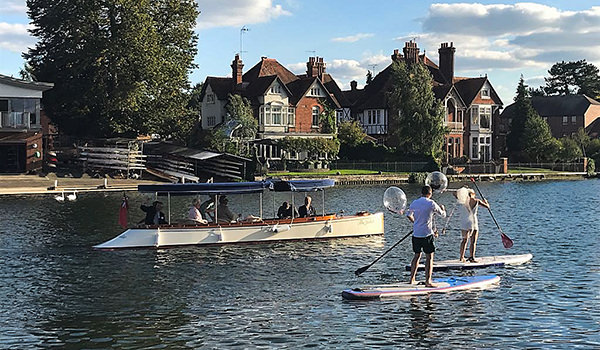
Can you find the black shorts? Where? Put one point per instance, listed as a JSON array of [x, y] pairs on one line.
[[425, 244]]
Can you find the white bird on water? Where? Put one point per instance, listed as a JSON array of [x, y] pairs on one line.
[[72, 196], [60, 198]]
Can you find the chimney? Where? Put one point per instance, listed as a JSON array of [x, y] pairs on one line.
[[315, 67], [411, 52], [396, 57], [447, 61], [236, 67], [353, 85]]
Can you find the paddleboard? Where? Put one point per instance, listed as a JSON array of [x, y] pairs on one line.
[[443, 285], [484, 261]]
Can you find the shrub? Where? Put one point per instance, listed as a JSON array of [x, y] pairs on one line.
[[418, 178]]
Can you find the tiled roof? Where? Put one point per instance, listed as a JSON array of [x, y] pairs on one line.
[[549, 106], [333, 88], [220, 86], [33, 85], [266, 67]]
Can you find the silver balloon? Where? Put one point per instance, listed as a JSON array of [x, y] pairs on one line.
[[437, 181], [394, 199]]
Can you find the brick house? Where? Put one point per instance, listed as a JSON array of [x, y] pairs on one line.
[[468, 103], [21, 124], [564, 114], [284, 104]]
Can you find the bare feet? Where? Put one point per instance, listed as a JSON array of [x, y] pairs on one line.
[[412, 282], [462, 260], [431, 285], [472, 259]]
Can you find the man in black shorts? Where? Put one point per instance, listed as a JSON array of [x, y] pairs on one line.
[[420, 213]]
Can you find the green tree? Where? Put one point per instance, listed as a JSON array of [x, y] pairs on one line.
[[579, 77], [119, 66], [570, 149], [582, 139], [416, 118], [327, 119], [239, 110], [538, 143], [351, 134], [523, 111]]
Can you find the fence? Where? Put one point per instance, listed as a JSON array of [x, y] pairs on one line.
[[392, 167], [575, 166], [474, 168]]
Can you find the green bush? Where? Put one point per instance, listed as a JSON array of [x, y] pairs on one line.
[[418, 178], [591, 167]]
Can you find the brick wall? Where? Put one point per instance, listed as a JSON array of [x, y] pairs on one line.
[[304, 114]]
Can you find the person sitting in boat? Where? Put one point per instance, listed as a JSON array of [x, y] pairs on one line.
[[307, 209], [207, 209], [154, 215], [194, 216], [224, 214], [286, 211]]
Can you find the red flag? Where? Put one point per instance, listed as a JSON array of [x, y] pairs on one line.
[[123, 213]]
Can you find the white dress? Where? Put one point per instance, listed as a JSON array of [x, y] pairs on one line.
[[468, 217]]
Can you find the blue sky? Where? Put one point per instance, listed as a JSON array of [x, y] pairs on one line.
[[500, 39]]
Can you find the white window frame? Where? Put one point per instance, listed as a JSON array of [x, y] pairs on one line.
[[565, 120], [485, 93], [210, 98], [211, 120], [316, 112]]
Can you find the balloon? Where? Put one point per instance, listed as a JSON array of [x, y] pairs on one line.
[[462, 195], [394, 200], [437, 181]]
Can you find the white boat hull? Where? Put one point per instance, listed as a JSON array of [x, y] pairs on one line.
[[271, 230]]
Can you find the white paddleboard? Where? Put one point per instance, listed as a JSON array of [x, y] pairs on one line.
[[483, 261], [443, 285]]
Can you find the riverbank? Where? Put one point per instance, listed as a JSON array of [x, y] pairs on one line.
[[51, 184]]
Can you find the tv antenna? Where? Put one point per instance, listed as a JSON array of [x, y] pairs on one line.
[[242, 31], [373, 66], [314, 52]]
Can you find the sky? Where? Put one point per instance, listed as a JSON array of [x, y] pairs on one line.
[[503, 39]]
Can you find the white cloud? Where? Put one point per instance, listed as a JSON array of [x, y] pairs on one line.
[[236, 13], [14, 37], [353, 38], [521, 35], [13, 7]]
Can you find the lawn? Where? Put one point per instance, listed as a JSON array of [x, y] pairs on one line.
[[327, 173], [522, 170]]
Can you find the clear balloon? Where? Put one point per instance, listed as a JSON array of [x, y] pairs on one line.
[[462, 195], [394, 199], [437, 181]]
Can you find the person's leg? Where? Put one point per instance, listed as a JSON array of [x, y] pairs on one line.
[[474, 236], [463, 245], [428, 269], [413, 268]]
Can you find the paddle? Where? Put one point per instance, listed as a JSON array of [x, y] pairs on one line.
[[394, 200], [506, 241]]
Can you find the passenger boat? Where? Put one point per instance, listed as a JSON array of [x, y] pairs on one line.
[[324, 226]]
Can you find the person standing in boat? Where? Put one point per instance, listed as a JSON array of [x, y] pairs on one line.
[[154, 215], [307, 209], [194, 214], [420, 213], [469, 224], [224, 214]]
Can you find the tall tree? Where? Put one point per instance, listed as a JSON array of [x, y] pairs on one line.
[[119, 66], [538, 143], [523, 110], [416, 117], [239, 111], [574, 77], [351, 134]]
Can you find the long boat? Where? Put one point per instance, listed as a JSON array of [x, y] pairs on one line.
[[323, 226]]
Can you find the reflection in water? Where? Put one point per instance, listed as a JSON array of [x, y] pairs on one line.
[[58, 292]]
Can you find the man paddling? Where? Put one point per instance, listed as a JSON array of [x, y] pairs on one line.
[[420, 213]]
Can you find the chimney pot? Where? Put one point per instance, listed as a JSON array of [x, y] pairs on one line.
[[353, 85]]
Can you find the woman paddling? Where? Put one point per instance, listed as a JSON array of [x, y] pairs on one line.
[[469, 224]]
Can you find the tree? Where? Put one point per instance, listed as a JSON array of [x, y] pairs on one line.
[[582, 139], [537, 140], [351, 134], [570, 150], [119, 66], [327, 119], [574, 77], [239, 110], [523, 110], [416, 117]]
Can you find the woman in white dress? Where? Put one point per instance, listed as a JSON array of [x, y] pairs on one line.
[[468, 222]]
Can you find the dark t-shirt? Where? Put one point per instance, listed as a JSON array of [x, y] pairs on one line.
[[304, 212]]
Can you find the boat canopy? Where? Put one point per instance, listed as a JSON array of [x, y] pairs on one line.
[[300, 185], [222, 188]]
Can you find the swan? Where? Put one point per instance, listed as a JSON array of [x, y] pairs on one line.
[[60, 198], [72, 196]]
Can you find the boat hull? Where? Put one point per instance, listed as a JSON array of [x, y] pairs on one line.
[[324, 227]]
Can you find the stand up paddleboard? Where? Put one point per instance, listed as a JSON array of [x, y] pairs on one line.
[[444, 285], [484, 261]]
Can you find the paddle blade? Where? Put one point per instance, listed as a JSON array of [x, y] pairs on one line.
[[394, 199], [361, 270], [506, 241]]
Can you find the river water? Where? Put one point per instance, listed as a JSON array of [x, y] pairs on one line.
[[58, 292]]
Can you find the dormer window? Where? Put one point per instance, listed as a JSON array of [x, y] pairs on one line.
[[276, 89], [315, 91], [210, 98], [485, 93]]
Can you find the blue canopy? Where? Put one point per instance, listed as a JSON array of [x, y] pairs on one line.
[[220, 188], [300, 185], [206, 188]]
